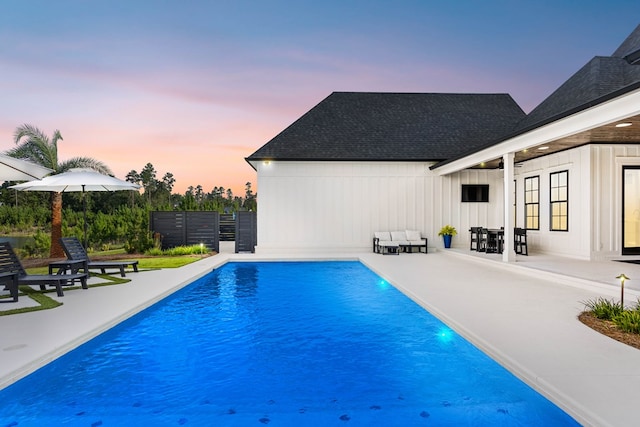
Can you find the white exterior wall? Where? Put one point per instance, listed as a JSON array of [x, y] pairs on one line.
[[595, 200], [310, 206], [576, 242], [606, 192]]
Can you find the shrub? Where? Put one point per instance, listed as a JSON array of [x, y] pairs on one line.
[[604, 309], [628, 321], [39, 247], [154, 252], [179, 250]]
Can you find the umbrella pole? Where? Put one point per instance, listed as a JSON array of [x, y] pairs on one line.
[[84, 216]]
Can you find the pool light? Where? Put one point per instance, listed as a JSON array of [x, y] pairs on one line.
[[445, 335], [383, 284]]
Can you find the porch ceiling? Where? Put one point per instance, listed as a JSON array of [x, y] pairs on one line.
[[606, 134]]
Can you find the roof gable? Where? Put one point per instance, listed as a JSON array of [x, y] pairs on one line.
[[601, 77], [394, 126], [630, 47]]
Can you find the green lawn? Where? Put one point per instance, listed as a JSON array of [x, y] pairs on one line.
[[150, 263], [45, 302]]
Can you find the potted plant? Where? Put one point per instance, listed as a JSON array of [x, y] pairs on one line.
[[447, 232]]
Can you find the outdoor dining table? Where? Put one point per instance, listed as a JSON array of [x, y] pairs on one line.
[[495, 240]]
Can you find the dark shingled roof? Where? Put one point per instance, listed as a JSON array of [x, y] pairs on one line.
[[443, 127], [602, 76], [630, 46], [394, 126]]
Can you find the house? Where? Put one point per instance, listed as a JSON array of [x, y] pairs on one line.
[[568, 172]]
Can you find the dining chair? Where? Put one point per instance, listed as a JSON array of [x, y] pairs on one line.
[[520, 241], [474, 238], [483, 239]]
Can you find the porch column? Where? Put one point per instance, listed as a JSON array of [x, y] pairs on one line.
[[508, 255]]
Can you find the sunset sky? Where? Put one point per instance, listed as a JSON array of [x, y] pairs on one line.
[[194, 87]]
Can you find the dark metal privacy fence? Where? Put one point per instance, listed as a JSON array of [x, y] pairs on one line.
[[246, 232], [186, 228]]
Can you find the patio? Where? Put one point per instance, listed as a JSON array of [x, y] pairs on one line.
[[522, 314]]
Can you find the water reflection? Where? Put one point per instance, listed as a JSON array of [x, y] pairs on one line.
[[246, 280], [17, 242], [238, 280]]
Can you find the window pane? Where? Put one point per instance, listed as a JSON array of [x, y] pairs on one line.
[[558, 197], [562, 193], [562, 179], [531, 202], [631, 203]]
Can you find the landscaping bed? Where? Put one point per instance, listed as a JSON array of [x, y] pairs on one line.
[[608, 328]]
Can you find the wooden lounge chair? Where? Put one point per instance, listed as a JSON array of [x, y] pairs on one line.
[[9, 263], [10, 282], [75, 252]]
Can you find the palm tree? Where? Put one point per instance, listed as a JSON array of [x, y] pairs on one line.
[[35, 146]]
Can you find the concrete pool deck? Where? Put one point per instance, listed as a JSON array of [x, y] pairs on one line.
[[521, 314]]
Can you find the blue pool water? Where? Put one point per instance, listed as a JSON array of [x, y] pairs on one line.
[[284, 344]]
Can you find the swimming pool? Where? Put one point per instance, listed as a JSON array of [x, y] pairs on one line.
[[293, 343]]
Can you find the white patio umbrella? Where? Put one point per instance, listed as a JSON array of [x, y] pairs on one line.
[[77, 180], [12, 169]]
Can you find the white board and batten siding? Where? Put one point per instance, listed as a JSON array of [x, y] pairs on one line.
[[606, 196], [595, 200], [329, 206]]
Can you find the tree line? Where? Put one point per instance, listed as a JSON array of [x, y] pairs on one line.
[[119, 218], [158, 193], [113, 218]]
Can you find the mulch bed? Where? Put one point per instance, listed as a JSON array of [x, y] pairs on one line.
[[607, 327]]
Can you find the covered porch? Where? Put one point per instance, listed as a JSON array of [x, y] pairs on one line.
[[610, 121]]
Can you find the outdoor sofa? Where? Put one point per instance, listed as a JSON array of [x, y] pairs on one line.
[[394, 242]]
